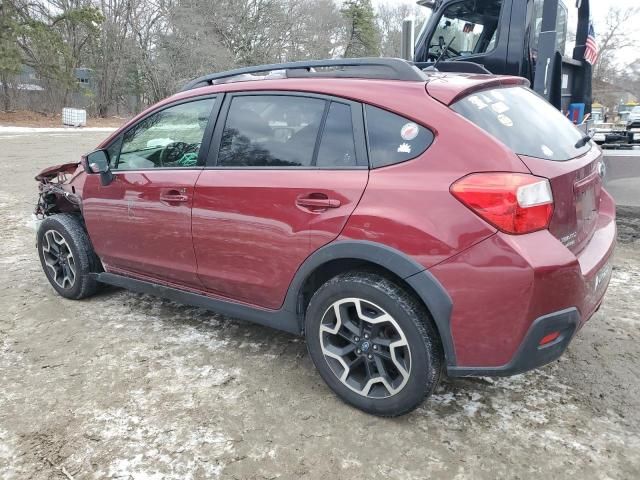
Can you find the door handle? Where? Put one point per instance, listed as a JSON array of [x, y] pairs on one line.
[[174, 196], [317, 201]]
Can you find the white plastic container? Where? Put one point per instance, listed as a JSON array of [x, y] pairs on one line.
[[74, 117]]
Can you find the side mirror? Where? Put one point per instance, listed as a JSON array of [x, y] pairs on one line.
[[98, 162]]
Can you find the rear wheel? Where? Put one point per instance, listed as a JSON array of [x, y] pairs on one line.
[[373, 343], [67, 256]]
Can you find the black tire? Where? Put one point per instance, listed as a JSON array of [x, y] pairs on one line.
[[418, 330], [75, 239]]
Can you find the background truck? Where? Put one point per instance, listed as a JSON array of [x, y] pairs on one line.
[[528, 38]]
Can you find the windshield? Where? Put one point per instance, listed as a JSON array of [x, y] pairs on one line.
[[468, 27], [524, 122]]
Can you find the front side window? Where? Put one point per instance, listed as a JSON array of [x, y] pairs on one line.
[[170, 138], [468, 27], [271, 131]]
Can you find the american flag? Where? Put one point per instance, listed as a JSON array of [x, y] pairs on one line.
[[591, 50]]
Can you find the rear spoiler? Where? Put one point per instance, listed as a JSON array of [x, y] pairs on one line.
[[448, 89]]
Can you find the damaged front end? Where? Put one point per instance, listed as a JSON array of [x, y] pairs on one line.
[[57, 192]]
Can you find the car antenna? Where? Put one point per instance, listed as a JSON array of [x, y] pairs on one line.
[[434, 67]]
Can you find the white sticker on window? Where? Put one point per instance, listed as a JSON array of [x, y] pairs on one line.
[[486, 98], [499, 107], [547, 151], [506, 121], [409, 131], [477, 102], [497, 95], [404, 148]]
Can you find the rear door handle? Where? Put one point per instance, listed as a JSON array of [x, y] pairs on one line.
[[317, 202], [174, 195]]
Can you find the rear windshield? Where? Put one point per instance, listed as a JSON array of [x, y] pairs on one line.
[[524, 122]]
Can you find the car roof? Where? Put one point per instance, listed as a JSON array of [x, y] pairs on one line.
[[394, 95], [444, 87]]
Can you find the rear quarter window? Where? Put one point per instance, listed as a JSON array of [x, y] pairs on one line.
[[393, 138], [524, 122]]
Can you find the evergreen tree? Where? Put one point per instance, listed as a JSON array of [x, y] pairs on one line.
[[362, 31]]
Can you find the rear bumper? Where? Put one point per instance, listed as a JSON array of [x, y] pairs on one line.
[[507, 291], [531, 354]]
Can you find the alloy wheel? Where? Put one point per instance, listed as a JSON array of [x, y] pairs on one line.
[[365, 348], [59, 259]]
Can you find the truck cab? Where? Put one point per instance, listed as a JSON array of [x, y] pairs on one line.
[[527, 38]]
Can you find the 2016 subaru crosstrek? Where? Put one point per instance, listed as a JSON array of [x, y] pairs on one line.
[[407, 223]]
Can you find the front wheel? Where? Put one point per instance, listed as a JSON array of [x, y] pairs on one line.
[[67, 256], [373, 343]]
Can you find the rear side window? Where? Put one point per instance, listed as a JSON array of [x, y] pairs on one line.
[[394, 139], [271, 131], [524, 122], [337, 147]]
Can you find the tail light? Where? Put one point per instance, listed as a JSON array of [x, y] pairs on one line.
[[513, 202]]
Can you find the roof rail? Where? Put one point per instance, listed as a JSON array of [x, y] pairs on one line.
[[379, 68]]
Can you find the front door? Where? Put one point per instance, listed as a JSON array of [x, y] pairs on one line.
[[140, 223], [288, 174]]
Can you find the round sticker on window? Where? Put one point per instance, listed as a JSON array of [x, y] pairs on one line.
[[409, 131]]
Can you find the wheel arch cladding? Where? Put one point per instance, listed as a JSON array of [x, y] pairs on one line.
[[349, 254]]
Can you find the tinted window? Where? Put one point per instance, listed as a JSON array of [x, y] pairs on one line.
[[337, 147], [524, 122], [170, 138], [394, 139], [271, 131]]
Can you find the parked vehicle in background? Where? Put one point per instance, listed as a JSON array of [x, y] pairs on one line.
[[633, 125], [335, 199], [529, 38]]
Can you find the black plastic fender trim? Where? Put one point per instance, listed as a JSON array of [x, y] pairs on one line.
[[277, 319], [426, 286], [289, 318], [530, 354]]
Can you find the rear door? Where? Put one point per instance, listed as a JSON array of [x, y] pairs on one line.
[[285, 172], [140, 223]]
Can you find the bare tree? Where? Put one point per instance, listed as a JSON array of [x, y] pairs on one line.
[[610, 75], [390, 17]]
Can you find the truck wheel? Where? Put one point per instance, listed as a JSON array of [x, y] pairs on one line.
[[373, 343], [67, 256]]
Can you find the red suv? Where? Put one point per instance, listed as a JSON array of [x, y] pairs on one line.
[[406, 222]]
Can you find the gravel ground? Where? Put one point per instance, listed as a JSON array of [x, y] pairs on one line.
[[129, 386]]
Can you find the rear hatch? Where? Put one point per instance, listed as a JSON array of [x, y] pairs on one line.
[[551, 147]]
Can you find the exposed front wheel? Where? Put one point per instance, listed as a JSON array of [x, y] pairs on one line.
[[67, 256], [373, 343]]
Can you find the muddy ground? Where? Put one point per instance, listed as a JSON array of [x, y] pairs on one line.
[[129, 386]]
